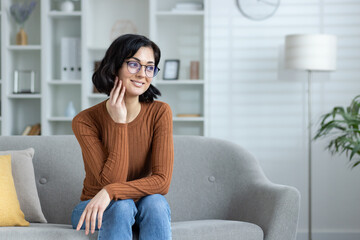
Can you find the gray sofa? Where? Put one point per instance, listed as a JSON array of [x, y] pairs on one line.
[[218, 191]]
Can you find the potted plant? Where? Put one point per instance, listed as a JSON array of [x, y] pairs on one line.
[[342, 125]]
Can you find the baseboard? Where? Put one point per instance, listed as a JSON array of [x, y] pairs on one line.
[[329, 235]]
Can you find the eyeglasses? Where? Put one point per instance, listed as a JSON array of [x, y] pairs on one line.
[[150, 70]]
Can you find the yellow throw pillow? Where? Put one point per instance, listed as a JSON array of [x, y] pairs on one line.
[[10, 212]]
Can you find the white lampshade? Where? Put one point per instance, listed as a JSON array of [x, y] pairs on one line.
[[311, 52]]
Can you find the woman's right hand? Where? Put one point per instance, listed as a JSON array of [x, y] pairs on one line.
[[116, 103], [94, 211]]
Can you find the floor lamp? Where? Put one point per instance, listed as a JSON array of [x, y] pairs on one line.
[[310, 52]]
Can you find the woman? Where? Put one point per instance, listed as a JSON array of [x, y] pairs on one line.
[[127, 147]]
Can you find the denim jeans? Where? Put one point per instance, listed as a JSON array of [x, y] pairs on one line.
[[151, 216]]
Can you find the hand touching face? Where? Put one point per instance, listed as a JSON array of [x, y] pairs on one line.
[[116, 104]]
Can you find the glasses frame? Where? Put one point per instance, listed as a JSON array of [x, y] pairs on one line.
[[155, 68]]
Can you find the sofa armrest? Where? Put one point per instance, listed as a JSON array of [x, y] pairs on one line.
[[273, 207]]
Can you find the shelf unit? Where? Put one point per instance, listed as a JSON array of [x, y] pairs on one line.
[[1, 67], [47, 25], [59, 93], [185, 42], [20, 110]]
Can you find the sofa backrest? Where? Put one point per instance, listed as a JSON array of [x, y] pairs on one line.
[[208, 178]]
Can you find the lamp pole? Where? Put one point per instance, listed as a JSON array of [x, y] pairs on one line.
[[309, 151]]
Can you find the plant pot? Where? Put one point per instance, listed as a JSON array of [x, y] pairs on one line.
[[21, 37]]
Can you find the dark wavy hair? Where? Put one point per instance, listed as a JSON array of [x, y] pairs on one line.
[[122, 48]]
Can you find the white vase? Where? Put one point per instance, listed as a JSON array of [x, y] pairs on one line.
[[67, 6], [70, 110]]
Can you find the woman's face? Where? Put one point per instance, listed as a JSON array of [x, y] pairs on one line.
[[137, 83]]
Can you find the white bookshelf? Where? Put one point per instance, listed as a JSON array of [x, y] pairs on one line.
[[180, 13], [97, 48], [179, 82], [60, 119], [1, 69], [20, 110], [185, 96], [61, 82], [24, 48], [24, 96], [93, 21], [98, 96], [188, 119], [59, 14]]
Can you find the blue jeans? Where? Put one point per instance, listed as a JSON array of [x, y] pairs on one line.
[[151, 216]]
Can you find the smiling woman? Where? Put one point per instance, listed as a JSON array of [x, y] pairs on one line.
[[122, 50], [127, 146]]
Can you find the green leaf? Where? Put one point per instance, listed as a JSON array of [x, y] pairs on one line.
[[355, 164], [355, 150]]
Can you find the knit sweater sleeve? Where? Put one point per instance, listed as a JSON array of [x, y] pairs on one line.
[[162, 159], [101, 161]]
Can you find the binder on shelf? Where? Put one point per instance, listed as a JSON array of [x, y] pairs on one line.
[[70, 58], [78, 59], [65, 66]]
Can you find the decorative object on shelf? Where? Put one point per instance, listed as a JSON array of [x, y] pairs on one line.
[[121, 27], [194, 69], [310, 52], [343, 126], [258, 9], [70, 110], [20, 13], [188, 6], [70, 58], [96, 66], [171, 69], [32, 130], [24, 81], [188, 115], [67, 6]]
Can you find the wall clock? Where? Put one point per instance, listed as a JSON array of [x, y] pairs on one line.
[[258, 9]]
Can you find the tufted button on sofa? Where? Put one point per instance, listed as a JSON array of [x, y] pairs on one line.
[[218, 191]]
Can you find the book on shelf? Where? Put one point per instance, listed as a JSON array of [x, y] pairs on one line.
[[26, 131], [32, 130]]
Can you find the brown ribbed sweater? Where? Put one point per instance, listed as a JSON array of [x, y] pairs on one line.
[[129, 160]]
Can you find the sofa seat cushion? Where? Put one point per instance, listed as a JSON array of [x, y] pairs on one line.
[[216, 230], [38, 231], [187, 230]]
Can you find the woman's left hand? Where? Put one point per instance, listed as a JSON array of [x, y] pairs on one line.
[[95, 208]]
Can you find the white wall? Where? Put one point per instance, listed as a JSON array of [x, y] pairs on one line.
[[260, 107]]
